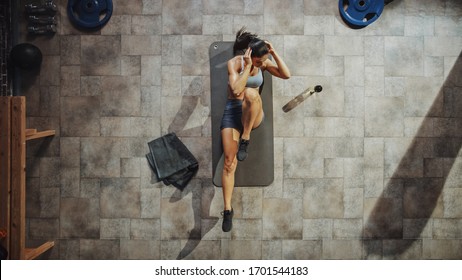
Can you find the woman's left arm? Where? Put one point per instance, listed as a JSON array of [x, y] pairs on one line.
[[279, 69]]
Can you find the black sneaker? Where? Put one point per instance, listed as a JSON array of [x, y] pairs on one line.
[[227, 220], [242, 153]]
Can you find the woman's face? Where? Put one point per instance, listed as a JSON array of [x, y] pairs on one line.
[[258, 61]]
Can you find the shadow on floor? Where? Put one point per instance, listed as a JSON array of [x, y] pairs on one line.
[[189, 102], [412, 193]]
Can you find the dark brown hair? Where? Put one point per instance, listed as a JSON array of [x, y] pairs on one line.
[[245, 39]]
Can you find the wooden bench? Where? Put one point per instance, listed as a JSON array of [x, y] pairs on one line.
[[13, 137]]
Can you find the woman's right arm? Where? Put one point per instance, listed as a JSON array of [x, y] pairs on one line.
[[238, 81]]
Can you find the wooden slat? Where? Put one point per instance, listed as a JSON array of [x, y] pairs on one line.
[[30, 131], [5, 167], [32, 253], [40, 134], [18, 178]]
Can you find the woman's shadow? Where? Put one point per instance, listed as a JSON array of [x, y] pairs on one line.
[[203, 193]]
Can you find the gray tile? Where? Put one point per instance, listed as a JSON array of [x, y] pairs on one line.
[[402, 249], [353, 170], [217, 24], [343, 147], [335, 45], [417, 228], [169, 249], [80, 116], [43, 229], [146, 25], [120, 198], [319, 25], [374, 81], [307, 60], [420, 197], [115, 126], [452, 206], [90, 85], [96, 62], [49, 202], [90, 188], [323, 198], [180, 17], [49, 71], [246, 229], [176, 226], [70, 81], [150, 203], [121, 96], [70, 182], [282, 219], [171, 49], [119, 25], [384, 117], [320, 8], [69, 249], [442, 249], [308, 164], [447, 228], [374, 50], [244, 250], [419, 26], [69, 152], [140, 45], [79, 218], [341, 249], [330, 102], [301, 250], [100, 157], [91, 249], [355, 74], [347, 228], [114, 228], [128, 8], [152, 7], [429, 8], [271, 250], [247, 202], [254, 23], [151, 70], [383, 218], [139, 249], [146, 229], [212, 7], [404, 56], [131, 65], [204, 250], [423, 98], [316, 229], [277, 13], [195, 56], [353, 202], [70, 47]]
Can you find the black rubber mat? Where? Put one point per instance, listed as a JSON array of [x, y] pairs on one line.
[[258, 168]]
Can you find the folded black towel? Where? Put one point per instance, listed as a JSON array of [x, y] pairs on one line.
[[172, 161]]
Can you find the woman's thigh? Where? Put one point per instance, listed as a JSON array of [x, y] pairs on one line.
[[254, 96], [230, 139]]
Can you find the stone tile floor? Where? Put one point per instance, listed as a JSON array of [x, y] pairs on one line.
[[370, 169]]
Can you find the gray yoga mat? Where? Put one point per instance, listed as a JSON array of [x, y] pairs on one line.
[[258, 168]]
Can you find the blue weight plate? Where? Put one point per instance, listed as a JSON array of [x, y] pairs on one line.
[[360, 13], [89, 14]]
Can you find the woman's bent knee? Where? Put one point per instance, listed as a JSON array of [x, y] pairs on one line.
[[230, 164]]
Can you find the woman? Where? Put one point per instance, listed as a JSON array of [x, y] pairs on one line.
[[243, 110]]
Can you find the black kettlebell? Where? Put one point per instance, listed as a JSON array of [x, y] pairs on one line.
[[26, 56]]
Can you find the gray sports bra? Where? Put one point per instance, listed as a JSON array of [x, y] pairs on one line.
[[253, 81]]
